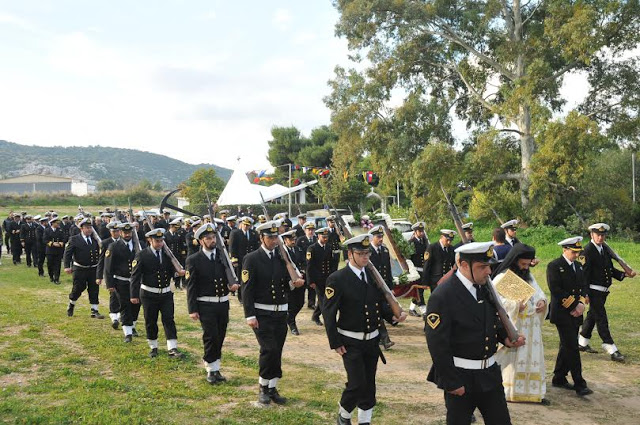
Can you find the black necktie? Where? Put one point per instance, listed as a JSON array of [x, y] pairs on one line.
[[270, 255], [88, 241], [212, 257], [362, 277], [478, 292], [158, 256]]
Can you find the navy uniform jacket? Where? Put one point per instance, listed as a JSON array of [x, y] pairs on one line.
[[239, 245], [299, 258], [319, 263], [105, 244], [303, 242], [182, 243], [437, 263], [175, 244], [419, 248], [204, 278], [118, 261], [459, 325], [568, 288], [299, 230], [382, 262], [103, 232], [598, 269], [147, 270], [335, 247], [40, 237], [13, 228], [56, 236], [362, 306], [264, 281], [193, 245], [28, 232], [225, 232], [80, 252]]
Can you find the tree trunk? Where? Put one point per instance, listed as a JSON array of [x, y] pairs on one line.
[[527, 149]]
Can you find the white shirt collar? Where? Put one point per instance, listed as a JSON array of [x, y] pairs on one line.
[[567, 260], [269, 253], [598, 247], [208, 253], [356, 270], [467, 284]]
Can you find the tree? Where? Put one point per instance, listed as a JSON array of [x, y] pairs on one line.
[[203, 181], [497, 64], [105, 185]]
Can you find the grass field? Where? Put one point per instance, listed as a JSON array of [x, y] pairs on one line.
[[60, 370]]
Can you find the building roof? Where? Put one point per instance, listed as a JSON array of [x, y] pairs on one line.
[[37, 178]]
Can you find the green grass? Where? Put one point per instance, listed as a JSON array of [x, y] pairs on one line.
[[60, 370]]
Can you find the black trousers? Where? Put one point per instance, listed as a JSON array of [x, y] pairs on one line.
[[114, 302], [7, 242], [29, 251], [41, 257], [296, 301], [16, 250], [214, 318], [54, 262], [154, 304], [597, 317], [492, 404], [361, 363], [420, 299], [271, 334], [85, 279], [128, 312], [320, 303], [568, 359], [311, 295]]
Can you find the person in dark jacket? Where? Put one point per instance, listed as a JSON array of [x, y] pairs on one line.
[[381, 260], [303, 242], [41, 246], [296, 296], [55, 241], [566, 282], [420, 244], [319, 266]]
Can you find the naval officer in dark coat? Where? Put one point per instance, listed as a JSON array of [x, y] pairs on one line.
[[463, 332], [353, 311]]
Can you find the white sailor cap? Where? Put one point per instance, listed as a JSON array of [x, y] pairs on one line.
[[205, 230], [246, 220], [599, 228], [418, 226], [468, 227], [448, 233], [231, 218], [477, 251], [323, 231], [194, 218], [113, 224], [269, 228], [176, 222], [511, 224], [218, 220], [37, 217], [127, 227], [85, 221], [150, 214], [302, 215], [289, 234], [573, 243], [331, 218], [377, 230], [196, 222], [155, 233], [43, 219], [309, 225], [360, 242]]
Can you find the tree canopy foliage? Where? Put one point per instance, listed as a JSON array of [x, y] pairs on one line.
[[202, 182]]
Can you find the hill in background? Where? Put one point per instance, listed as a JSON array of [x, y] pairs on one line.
[[95, 163]]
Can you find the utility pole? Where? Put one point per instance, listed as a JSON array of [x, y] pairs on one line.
[[633, 175], [290, 189]]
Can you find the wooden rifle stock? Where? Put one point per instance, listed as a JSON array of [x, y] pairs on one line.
[[401, 260], [174, 261], [231, 274], [136, 241], [94, 234], [294, 273], [455, 215], [628, 270], [512, 332], [380, 283]]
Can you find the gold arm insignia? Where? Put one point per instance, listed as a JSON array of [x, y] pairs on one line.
[[245, 276], [329, 292], [433, 320]]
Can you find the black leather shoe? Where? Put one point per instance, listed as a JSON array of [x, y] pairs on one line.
[[311, 307], [584, 391], [211, 378], [175, 353], [294, 330], [617, 357], [134, 332], [545, 402], [57, 281], [318, 322], [96, 315], [263, 395], [70, 310], [564, 385], [343, 421], [276, 397], [153, 353], [414, 313], [128, 338], [115, 324], [219, 376], [587, 349]]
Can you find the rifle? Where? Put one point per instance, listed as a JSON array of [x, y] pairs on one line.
[[231, 274], [134, 235], [342, 226], [401, 260], [512, 332], [174, 261], [294, 274], [627, 269], [453, 210], [380, 283], [94, 234]]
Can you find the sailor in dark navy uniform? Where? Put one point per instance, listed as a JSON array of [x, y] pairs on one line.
[[41, 247], [242, 241], [299, 227], [54, 240], [175, 240], [114, 300], [151, 285], [511, 227], [353, 311], [599, 272], [118, 265], [420, 243], [334, 242], [303, 242], [463, 332], [319, 266], [467, 228], [296, 296], [208, 298], [381, 260], [266, 286], [439, 259], [81, 258], [568, 289]]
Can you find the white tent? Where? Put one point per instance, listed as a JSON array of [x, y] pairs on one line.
[[239, 191]]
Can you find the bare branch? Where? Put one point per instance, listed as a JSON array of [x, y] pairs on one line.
[[510, 130], [475, 93], [509, 176]]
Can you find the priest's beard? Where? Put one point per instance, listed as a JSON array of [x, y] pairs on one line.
[[522, 274]]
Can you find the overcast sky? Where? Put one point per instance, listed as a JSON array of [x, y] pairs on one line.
[[197, 80]]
